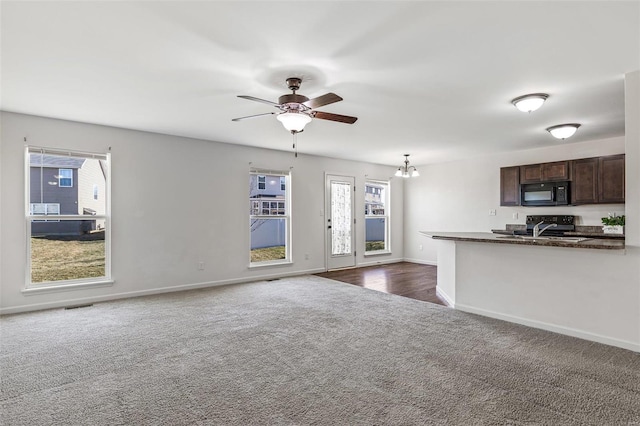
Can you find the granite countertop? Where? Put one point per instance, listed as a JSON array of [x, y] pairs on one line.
[[487, 237]]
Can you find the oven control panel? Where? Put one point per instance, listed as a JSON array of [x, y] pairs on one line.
[[563, 223]]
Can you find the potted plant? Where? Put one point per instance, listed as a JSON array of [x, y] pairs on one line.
[[613, 224]]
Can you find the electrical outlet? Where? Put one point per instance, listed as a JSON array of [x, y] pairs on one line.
[[515, 215], [306, 256], [492, 212], [200, 266], [420, 247]]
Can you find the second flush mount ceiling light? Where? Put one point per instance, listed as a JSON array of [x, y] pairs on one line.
[[563, 131]]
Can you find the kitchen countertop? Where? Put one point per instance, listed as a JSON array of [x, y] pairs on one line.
[[487, 237]]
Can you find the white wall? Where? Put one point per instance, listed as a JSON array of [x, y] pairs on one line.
[[632, 149], [458, 196], [176, 202]]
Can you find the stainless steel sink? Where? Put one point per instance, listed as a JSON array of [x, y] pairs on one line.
[[545, 238]]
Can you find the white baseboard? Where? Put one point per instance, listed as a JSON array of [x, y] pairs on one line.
[[149, 292], [423, 262], [448, 300], [632, 346], [378, 262]]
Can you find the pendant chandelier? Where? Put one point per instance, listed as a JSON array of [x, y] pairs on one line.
[[406, 170]]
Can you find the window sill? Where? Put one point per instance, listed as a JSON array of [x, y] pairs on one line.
[[52, 288], [271, 263], [376, 253]]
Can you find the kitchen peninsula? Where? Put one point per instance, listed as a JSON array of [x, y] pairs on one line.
[[570, 286]]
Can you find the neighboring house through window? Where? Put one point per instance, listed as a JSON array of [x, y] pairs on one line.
[[269, 217], [376, 204], [74, 247]]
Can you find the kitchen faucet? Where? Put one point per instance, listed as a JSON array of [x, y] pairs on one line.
[[537, 231]]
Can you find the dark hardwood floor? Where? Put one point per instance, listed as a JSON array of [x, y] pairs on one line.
[[404, 279]]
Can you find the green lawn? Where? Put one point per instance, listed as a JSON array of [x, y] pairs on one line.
[[374, 245], [267, 253], [56, 260]]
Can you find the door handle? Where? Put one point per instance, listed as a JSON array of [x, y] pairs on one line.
[[329, 227]]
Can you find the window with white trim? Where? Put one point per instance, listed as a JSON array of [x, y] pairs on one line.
[[74, 247], [65, 178], [376, 204], [269, 218]]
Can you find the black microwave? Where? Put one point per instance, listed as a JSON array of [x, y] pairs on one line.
[[544, 194]]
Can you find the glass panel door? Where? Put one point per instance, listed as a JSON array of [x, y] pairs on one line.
[[341, 220], [340, 227]]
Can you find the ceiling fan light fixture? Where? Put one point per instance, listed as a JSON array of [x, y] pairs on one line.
[[563, 131], [415, 173], [399, 172], [531, 102], [294, 121]]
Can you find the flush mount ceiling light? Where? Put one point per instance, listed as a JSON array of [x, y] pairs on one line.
[[531, 102], [403, 171], [563, 131], [294, 121]]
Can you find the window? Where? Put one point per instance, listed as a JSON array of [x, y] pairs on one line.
[[269, 218], [376, 201], [65, 178], [73, 248]]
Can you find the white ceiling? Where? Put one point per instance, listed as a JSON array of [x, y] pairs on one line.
[[433, 79]]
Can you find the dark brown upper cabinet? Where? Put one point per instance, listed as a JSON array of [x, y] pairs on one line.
[[611, 179], [545, 172], [558, 170], [510, 186], [597, 180], [584, 185]]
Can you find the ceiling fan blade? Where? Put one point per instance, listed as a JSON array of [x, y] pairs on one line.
[[334, 117], [264, 101], [323, 100], [252, 116]]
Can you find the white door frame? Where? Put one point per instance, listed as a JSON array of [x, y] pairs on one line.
[[346, 260]]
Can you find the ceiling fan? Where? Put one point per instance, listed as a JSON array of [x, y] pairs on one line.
[[298, 110]]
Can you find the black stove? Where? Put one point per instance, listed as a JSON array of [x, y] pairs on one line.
[[564, 223]]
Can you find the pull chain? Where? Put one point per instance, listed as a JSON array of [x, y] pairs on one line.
[[294, 135]]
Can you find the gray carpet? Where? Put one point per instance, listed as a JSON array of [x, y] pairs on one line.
[[301, 351]]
